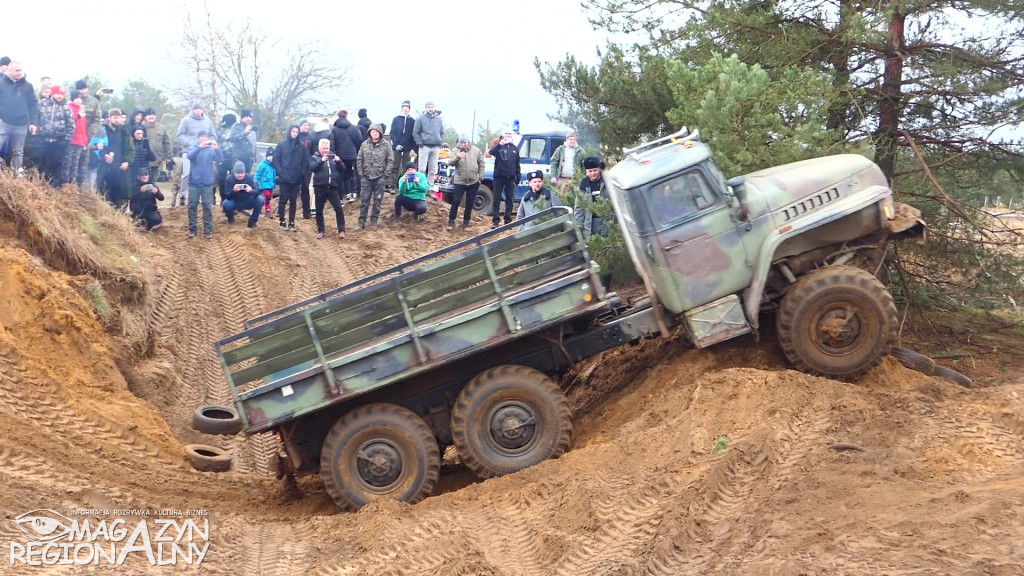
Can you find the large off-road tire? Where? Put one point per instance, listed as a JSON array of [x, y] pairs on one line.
[[913, 360], [216, 419], [509, 418], [837, 321], [484, 199], [379, 451], [207, 458]]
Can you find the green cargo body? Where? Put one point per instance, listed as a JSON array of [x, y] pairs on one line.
[[412, 318]]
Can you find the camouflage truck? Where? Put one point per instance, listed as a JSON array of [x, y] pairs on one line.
[[369, 383]]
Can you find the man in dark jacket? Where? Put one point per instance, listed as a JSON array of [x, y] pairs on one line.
[[290, 165], [327, 168], [506, 176], [144, 198], [113, 176], [308, 147], [364, 123], [402, 141], [241, 193], [19, 112], [592, 193], [347, 140]]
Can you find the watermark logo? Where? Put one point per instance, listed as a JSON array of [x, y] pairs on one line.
[[42, 525], [93, 537]]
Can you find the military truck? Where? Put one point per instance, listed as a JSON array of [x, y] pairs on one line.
[[369, 383]]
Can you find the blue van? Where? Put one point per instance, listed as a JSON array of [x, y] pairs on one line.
[[535, 152]]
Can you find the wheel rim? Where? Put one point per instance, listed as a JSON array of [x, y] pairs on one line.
[[479, 202], [512, 427], [379, 465], [837, 328]]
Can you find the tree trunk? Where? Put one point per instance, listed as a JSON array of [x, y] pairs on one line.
[[891, 103]]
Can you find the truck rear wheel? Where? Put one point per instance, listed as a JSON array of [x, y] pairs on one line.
[[509, 418], [837, 321], [379, 451]]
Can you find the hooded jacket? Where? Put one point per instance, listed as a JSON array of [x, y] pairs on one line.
[[18, 104], [55, 122], [347, 139], [375, 159], [290, 159], [266, 176], [188, 131]]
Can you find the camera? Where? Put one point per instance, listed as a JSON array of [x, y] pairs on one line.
[[410, 177]]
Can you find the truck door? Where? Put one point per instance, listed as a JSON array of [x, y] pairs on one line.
[[696, 240]]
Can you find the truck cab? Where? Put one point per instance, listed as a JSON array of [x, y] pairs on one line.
[[714, 253], [535, 150]]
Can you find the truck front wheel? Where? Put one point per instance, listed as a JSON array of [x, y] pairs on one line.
[[509, 418], [379, 451], [838, 321]]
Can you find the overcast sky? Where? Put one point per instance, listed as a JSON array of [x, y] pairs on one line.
[[464, 56]]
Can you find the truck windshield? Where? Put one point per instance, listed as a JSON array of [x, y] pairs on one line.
[[673, 201]]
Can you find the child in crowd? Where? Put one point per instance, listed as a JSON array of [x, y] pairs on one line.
[[266, 179]]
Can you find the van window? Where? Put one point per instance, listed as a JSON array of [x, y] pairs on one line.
[[533, 149], [671, 201]]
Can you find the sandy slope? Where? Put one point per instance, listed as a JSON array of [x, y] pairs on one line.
[[684, 461]]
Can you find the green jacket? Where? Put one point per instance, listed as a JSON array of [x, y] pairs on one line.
[[413, 190], [159, 141], [558, 158], [468, 170]]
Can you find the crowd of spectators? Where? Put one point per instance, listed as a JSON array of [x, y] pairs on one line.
[[70, 139]]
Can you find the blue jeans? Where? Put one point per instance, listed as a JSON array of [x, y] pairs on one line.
[[251, 203], [16, 136], [195, 194]]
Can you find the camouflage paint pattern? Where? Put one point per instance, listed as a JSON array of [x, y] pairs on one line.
[[691, 249], [382, 333]]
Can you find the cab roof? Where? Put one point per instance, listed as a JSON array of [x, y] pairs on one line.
[[649, 165]]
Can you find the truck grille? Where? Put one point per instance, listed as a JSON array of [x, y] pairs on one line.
[[810, 203]]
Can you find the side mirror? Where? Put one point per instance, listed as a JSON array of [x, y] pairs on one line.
[[738, 189]]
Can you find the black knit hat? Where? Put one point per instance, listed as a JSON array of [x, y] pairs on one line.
[[410, 165], [6, 60], [592, 162], [362, 112], [80, 85]]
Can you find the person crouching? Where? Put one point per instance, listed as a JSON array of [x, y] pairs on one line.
[[412, 193], [241, 193], [142, 204]]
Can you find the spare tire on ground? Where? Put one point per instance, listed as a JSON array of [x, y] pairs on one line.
[[952, 376], [207, 458], [216, 419], [913, 360]]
